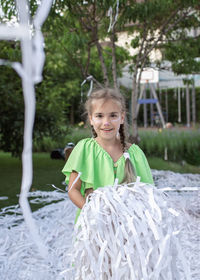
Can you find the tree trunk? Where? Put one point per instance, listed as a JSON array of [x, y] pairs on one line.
[[71, 116], [114, 66], [166, 106], [134, 138], [103, 65]]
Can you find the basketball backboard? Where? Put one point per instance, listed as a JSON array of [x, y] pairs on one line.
[[149, 75]]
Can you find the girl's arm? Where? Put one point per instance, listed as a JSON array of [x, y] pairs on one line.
[[75, 193]]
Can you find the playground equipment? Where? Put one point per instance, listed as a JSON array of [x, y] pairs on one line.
[[149, 78], [183, 87]]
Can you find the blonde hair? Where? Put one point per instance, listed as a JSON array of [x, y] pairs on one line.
[[107, 94]]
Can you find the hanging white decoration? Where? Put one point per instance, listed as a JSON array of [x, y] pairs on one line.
[[88, 79], [30, 71], [110, 14]]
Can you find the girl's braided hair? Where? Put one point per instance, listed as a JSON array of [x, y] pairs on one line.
[[106, 94]]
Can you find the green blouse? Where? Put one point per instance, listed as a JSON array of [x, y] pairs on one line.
[[97, 167]]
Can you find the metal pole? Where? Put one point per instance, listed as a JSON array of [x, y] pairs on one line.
[[151, 110], [188, 105], [140, 97], [179, 105], [145, 109], [193, 104], [158, 106]]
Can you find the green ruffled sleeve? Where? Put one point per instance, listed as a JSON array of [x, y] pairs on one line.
[[78, 161], [141, 165]]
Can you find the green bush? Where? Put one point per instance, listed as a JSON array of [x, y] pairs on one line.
[[78, 134], [180, 145], [47, 143]]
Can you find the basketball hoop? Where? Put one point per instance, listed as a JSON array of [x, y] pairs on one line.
[[148, 75]]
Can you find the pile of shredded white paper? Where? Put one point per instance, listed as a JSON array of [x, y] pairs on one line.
[[128, 232], [19, 256], [151, 243]]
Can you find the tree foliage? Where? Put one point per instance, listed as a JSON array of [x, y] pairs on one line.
[[12, 108], [155, 24], [70, 58], [78, 44], [184, 54]]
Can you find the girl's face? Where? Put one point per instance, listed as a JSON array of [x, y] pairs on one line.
[[106, 118]]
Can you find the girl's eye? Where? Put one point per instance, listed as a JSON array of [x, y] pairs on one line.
[[114, 115], [99, 116]]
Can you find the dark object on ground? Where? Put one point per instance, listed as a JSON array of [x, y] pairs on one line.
[[62, 153], [58, 154]]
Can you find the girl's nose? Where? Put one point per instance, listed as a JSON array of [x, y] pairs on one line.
[[106, 122]]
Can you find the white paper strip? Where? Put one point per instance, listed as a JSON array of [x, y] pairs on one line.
[[138, 243], [14, 32], [30, 72]]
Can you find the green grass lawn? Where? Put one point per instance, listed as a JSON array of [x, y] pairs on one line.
[[48, 171]]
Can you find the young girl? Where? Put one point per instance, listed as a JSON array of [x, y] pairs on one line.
[[98, 161]]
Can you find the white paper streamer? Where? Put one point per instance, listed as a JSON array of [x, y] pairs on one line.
[[19, 256], [30, 71], [110, 12], [126, 155], [78, 176], [88, 79], [142, 249], [14, 32], [116, 182]]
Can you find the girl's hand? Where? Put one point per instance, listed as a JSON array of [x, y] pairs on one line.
[[88, 191]]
